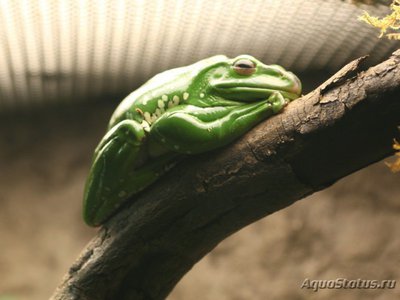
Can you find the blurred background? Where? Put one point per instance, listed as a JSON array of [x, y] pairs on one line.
[[65, 65]]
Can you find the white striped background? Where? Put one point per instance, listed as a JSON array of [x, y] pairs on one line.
[[80, 50]]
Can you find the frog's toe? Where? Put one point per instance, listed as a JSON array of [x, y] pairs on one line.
[[277, 101]]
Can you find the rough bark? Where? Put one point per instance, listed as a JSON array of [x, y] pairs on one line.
[[344, 125]]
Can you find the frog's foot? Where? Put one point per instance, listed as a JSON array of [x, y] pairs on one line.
[[277, 101], [114, 161]]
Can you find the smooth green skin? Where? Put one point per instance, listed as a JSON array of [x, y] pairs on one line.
[[182, 111]]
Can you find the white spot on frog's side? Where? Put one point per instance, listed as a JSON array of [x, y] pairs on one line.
[[176, 147], [164, 97], [175, 100], [202, 95], [161, 104], [145, 125], [153, 118], [122, 194], [147, 117], [170, 104], [185, 96], [158, 112], [163, 140]]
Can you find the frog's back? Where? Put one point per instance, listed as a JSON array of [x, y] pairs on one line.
[[168, 83]]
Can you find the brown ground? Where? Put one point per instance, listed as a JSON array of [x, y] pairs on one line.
[[350, 230]]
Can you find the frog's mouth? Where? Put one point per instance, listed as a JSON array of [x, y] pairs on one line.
[[255, 91], [251, 94]]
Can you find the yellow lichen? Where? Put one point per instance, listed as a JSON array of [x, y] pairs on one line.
[[395, 166], [389, 22]]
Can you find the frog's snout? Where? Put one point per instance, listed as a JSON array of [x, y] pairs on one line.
[[297, 86]]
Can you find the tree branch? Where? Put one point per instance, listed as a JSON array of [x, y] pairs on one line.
[[142, 252]]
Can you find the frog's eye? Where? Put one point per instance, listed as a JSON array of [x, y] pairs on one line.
[[244, 67]]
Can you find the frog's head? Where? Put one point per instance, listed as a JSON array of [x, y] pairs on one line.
[[245, 79]]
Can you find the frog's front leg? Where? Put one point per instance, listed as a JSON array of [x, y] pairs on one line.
[[190, 129]]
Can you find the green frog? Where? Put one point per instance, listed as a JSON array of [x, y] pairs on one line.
[[181, 112]]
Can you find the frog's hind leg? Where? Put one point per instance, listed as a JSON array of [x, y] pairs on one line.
[[116, 172]]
